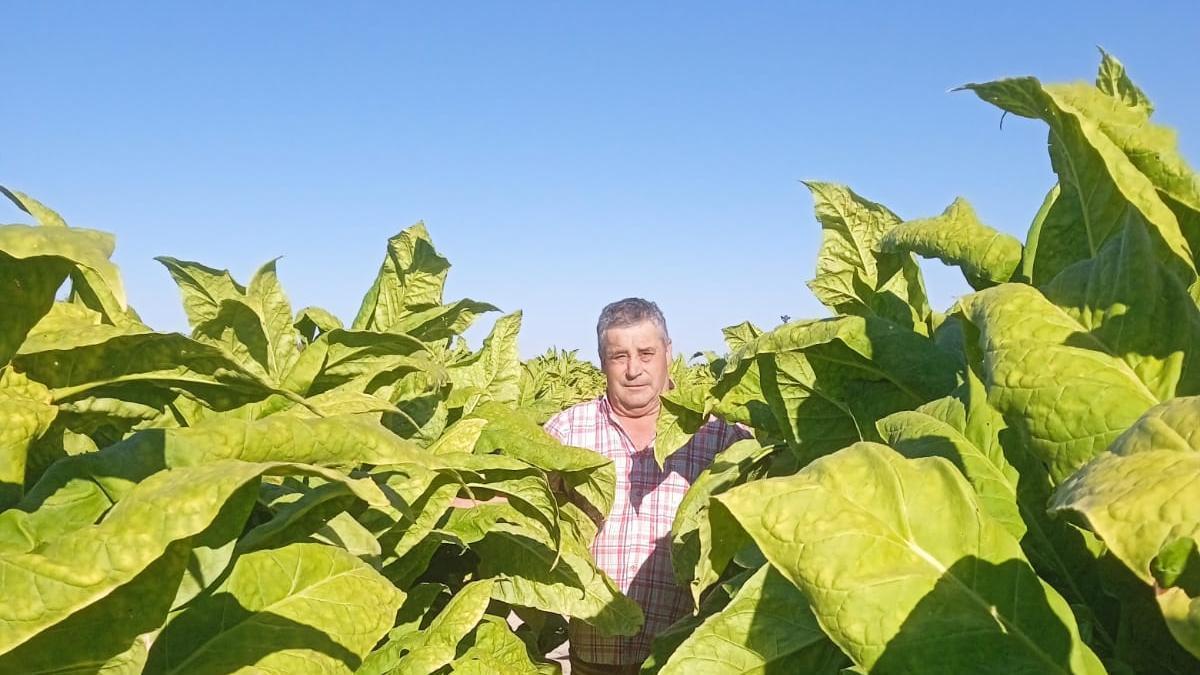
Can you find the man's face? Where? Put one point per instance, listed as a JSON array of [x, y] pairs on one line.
[[636, 361]]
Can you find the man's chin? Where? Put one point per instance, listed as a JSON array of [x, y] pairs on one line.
[[637, 398]]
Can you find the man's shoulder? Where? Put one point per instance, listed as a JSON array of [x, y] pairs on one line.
[[584, 413], [716, 434]]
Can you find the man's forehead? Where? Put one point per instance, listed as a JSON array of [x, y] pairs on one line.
[[639, 335]]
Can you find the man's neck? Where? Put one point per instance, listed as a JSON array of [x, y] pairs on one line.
[[639, 425]]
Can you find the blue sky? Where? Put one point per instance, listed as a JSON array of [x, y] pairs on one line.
[[562, 154]]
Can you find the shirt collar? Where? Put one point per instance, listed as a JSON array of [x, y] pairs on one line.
[[606, 409]]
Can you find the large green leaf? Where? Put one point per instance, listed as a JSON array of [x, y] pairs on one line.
[[1073, 368], [68, 316], [1046, 374], [462, 436], [1140, 313], [957, 237], [305, 608], [494, 372], [126, 613], [969, 432], [854, 275], [529, 494], [406, 296], [238, 331], [428, 494], [903, 569], [76, 491], [276, 315], [414, 612], [443, 321], [427, 650], [1145, 490], [590, 474], [766, 627], [418, 604], [312, 321], [1098, 183], [94, 282], [345, 532], [203, 288], [827, 382], [34, 262], [411, 277], [493, 648], [1177, 575], [1053, 220], [339, 357], [42, 587], [254, 324], [44, 215], [25, 414], [298, 515], [1141, 498], [1123, 115], [741, 399], [941, 429], [740, 335], [667, 641], [524, 487], [515, 551], [683, 410], [338, 440], [120, 627], [105, 361], [691, 532], [1112, 79]]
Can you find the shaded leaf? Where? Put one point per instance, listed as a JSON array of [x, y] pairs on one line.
[[766, 626], [858, 536], [428, 650], [34, 262], [305, 608]]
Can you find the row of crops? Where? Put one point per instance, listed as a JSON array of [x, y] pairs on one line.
[[1009, 486], [278, 490]]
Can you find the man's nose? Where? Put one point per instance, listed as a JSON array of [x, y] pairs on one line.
[[632, 369]]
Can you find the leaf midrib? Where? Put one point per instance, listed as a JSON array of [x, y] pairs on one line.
[[943, 572], [223, 634]]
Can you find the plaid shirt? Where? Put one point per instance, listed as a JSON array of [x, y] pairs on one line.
[[633, 545]]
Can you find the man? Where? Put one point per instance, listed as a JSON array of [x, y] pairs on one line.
[[634, 544]]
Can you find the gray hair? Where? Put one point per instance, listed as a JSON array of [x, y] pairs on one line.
[[625, 313]]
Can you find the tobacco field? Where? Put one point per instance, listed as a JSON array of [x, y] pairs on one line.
[[1009, 485]]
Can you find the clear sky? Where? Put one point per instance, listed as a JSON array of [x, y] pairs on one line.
[[563, 155]]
